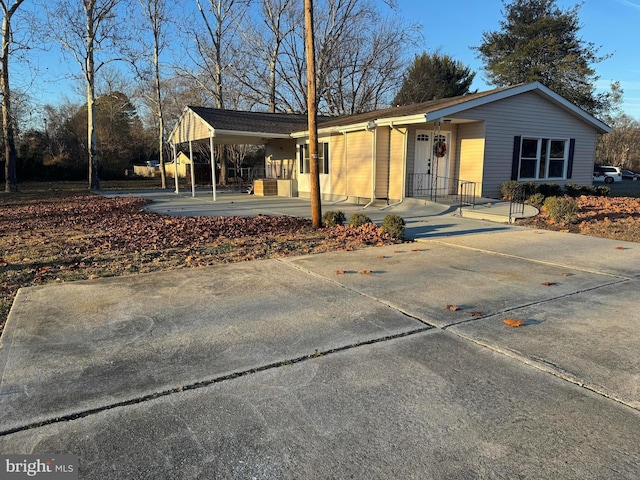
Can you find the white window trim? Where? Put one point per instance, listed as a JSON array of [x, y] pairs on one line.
[[539, 139], [321, 152]]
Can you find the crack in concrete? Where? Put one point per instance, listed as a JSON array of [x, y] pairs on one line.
[[537, 302], [212, 381], [552, 369], [547, 367]]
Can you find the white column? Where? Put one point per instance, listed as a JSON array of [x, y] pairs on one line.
[[193, 178], [175, 168], [213, 167]]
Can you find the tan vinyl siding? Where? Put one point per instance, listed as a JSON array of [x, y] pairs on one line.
[[382, 162], [529, 115], [470, 161], [280, 159], [396, 160], [337, 165], [359, 151], [191, 127]]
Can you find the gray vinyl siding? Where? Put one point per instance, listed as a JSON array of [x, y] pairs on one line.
[[529, 115]]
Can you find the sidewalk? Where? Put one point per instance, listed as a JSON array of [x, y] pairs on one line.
[[309, 367]]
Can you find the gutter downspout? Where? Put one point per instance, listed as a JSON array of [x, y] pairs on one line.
[[372, 127], [404, 165]]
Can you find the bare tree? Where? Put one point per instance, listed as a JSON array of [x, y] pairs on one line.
[[8, 133], [621, 147], [262, 43], [214, 53], [358, 64], [86, 30], [156, 14]]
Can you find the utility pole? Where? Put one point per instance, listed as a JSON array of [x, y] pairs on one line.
[[314, 180]]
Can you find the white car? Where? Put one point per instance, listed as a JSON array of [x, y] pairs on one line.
[[607, 174]]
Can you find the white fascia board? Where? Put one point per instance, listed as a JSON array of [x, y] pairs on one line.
[[406, 120], [216, 132]]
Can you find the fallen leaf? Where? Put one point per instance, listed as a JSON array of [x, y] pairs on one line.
[[340, 272], [381, 256], [453, 308], [365, 272], [620, 248], [565, 274], [416, 250], [514, 322], [549, 284], [477, 314]]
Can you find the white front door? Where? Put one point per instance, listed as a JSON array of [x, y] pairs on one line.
[[427, 163]]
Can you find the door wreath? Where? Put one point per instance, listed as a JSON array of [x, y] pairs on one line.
[[440, 149]]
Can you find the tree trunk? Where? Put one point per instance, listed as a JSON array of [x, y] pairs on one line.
[[314, 180], [156, 62], [92, 150], [10, 155]]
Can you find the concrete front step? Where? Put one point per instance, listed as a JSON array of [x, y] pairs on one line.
[[497, 212]]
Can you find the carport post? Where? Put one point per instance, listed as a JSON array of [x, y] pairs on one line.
[[175, 168], [193, 178], [213, 167]]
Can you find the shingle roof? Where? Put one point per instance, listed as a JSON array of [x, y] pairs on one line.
[[405, 110], [258, 122]]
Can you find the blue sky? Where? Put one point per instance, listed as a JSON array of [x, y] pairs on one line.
[[450, 27], [613, 25]]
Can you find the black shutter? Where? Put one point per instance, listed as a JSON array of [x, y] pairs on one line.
[[572, 149], [515, 163], [301, 155], [325, 155]]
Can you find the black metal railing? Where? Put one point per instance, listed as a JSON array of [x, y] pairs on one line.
[[437, 188], [516, 203]]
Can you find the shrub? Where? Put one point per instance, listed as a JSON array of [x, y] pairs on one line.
[[574, 190], [510, 189], [603, 191], [358, 219], [549, 189], [514, 190], [537, 200], [333, 218], [561, 209], [394, 226]]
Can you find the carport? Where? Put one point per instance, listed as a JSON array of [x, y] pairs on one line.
[[228, 127]]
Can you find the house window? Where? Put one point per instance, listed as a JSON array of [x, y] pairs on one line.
[[323, 158], [543, 158]]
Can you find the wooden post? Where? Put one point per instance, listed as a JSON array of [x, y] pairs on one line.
[[314, 180]]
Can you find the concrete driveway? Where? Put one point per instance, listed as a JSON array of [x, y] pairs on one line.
[[290, 368]]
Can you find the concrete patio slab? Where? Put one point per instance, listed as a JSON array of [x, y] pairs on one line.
[[421, 279], [79, 346], [558, 248], [596, 347], [425, 406]]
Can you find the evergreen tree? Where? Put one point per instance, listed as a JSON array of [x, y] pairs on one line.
[[539, 41], [434, 76]]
